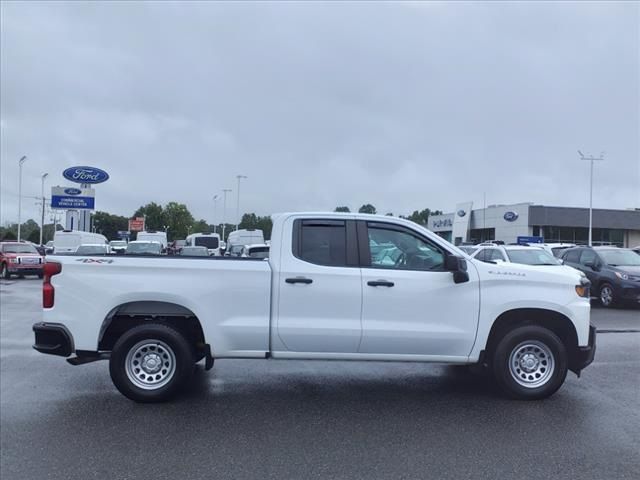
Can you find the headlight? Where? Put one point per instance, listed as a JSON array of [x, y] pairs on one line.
[[583, 291], [623, 276], [13, 260]]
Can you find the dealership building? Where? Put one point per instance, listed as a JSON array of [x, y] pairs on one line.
[[552, 224]]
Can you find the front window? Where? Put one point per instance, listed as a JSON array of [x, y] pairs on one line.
[[532, 256], [621, 257], [209, 242], [323, 242], [403, 250], [19, 248]]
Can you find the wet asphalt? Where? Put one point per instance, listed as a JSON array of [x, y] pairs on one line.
[[249, 419]]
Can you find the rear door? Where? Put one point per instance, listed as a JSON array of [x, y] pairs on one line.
[[320, 288], [411, 306]]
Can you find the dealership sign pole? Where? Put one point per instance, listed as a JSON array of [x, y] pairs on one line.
[[81, 200], [591, 158]]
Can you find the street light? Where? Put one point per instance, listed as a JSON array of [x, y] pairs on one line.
[[591, 158], [20, 162], [239, 177], [224, 211], [44, 175], [215, 211]]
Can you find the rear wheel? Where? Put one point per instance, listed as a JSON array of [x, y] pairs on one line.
[[150, 362], [530, 363], [4, 272], [607, 298]]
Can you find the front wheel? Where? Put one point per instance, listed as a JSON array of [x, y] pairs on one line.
[[607, 298], [530, 363], [151, 362]]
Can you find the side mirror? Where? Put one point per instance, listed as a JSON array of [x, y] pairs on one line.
[[457, 266]]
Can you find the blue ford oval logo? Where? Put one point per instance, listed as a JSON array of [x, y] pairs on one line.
[[461, 213], [510, 216], [85, 175], [72, 191]]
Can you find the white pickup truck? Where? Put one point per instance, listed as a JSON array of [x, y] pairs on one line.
[[335, 287]]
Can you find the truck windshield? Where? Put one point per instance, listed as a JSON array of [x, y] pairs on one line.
[[209, 242], [21, 248], [259, 252], [533, 256]]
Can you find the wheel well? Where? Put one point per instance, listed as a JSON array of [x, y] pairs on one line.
[[132, 314], [554, 321]]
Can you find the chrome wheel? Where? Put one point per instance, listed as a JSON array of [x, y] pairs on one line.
[[150, 364], [531, 364], [606, 295]]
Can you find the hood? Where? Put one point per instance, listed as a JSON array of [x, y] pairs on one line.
[[537, 273], [631, 269]]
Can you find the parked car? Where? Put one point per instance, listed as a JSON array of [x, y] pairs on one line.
[[255, 251], [19, 258], [637, 250], [240, 238], [194, 252], [93, 249], [142, 247], [468, 249], [321, 295], [68, 241], [524, 255], [554, 249], [614, 272], [150, 236], [209, 240], [118, 246]]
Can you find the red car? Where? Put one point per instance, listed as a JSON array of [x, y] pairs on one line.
[[20, 259]]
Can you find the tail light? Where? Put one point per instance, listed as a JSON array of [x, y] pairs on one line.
[[50, 269]]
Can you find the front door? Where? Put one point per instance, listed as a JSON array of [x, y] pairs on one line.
[[320, 288], [410, 303]]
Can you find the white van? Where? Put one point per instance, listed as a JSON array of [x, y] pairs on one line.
[[209, 240], [238, 239], [68, 241], [160, 237]]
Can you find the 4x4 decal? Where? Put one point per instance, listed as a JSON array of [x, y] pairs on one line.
[[94, 260]]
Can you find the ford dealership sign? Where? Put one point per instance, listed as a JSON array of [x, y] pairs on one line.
[[510, 216], [461, 213], [72, 191], [85, 175]]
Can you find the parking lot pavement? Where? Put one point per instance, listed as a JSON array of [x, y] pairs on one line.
[[299, 420]]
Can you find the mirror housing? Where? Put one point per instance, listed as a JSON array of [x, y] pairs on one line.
[[457, 266]]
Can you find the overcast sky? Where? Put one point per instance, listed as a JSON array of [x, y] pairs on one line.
[[405, 106]]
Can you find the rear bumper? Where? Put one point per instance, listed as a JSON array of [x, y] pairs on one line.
[[53, 339], [583, 356]]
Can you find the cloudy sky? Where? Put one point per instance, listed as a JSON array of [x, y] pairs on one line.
[[405, 106]]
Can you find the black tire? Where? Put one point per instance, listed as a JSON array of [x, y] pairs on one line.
[[164, 344], [606, 295], [4, 271], [530, 363]]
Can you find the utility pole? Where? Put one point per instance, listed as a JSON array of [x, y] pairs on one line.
[[44, 175], [20, 162], [224, 212], [591, 159], [239, 177], [215, 212]]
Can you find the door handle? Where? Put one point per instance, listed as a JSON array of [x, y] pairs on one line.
[[304, 280], [380, 283]]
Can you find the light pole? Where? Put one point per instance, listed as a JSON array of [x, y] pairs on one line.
[[44, 175], [239, 177], [224, 211], [20, 162], [591, 159], [215, 211]]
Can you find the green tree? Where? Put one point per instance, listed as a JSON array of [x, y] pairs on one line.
[[422, 217], [178, 219], [253, 221], [342, 209], [154, 216], [367, 208], [389, 214], [201, 226], [108, 224], [6, 234]]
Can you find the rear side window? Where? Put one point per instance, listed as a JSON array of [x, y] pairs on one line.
[[588, 256], [572, 256], [321, 242], [494, 254], [482, 255]]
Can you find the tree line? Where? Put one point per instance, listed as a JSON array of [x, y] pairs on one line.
[[176, 219]]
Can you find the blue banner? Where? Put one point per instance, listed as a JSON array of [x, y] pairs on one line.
[[72, 202]]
